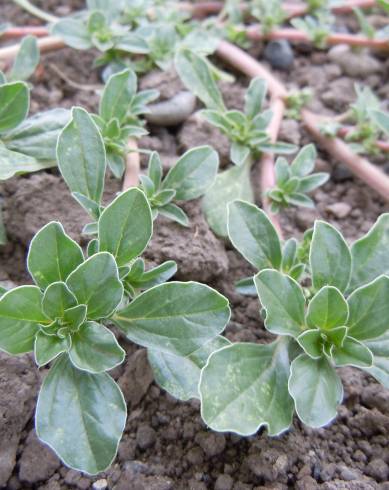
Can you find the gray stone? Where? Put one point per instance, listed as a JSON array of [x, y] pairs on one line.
[[279, 54]]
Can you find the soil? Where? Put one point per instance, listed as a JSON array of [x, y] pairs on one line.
[[166, 445]]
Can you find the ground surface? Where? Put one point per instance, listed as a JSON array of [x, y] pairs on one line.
[[166, 446]]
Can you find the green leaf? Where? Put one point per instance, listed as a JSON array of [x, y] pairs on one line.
[[81, 416], [95, 349], [117, 95], [380, 350], [283, 300], [81, 156], [229, 185], [316, 389], [26, 60], [330, 257], [13, 163], [246, 286], [253, 235], [193, 173], [173, 212], [75, 316], [155, 169], [352, 353], [311, 182], [245, 386], [304, 162], [327, 309], [14, 104], [369, 310], [56, 299], [20, 316], [239, 153], [155, 276], [73, 32], [298, 199], [96, 283], [370, 254], [126, 226], [53, 255], [311, 343], [91, 207], [196, 75], [382, 119], [48, 347], [180, 375], [175, 317], [37, 136], [255, 97]]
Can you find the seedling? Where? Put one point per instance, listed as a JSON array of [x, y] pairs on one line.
[[119, 116], [191, 176], [339, 318], [247, 132], [65, 318], [294, 181], [295, 101], [317, 27], [269, 13]]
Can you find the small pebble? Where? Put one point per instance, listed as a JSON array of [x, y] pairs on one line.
[[339, 209], [173, 111], [279, 54], [100, 484], [145, 437], [354, 64]]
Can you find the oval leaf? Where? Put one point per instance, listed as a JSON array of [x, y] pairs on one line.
[[95, 349], [175, 317], [126, 226], [81, 155], [327, 309], [53, 255], [253, 235], [14, 104], [316, 389], [193, 173], [81, 416], [330, 257], [245, 386], [117, 95], [20, 316], [57, 299], [283, 300], [96, 283]]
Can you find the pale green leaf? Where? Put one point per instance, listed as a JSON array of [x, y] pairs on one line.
[[327, 309], [330, 257], [229, 185], [255, 97], [283, 300], [96, 283], [126, 226], [245, 386], [26, 60], [73, 32], [53, 255], [56, 299], [175, 317], [253, 235], [117, 95], [180, 375], [14, 104], [193, 173], [95, 349], [81, 416], [352, 353], [13, 163], [48, 347], [380, 350], [316, 389]]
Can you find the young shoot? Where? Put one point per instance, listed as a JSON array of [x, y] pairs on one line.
[[294, 181], [120, 109], [295, 101], [337, 318], [317, 27], [190, 177], [269, 13], [247, 131], [65, 318]]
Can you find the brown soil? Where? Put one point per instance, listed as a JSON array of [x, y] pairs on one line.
[[166, 445]]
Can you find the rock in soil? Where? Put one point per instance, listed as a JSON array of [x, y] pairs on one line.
[[279, 54], [137, 378], [18, 388], [354, 64], [173, 111]]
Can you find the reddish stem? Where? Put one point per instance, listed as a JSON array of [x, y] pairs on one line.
[[16, 32], [361, 167], [344, 131], [45, 44], [131, 174], [254, 33], [201, 9], [298, 10]]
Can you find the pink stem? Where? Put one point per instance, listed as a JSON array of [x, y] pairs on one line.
[[131, 174], [361, 167], [16, 32], [298, 10], [254, 33], [45, 44]]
